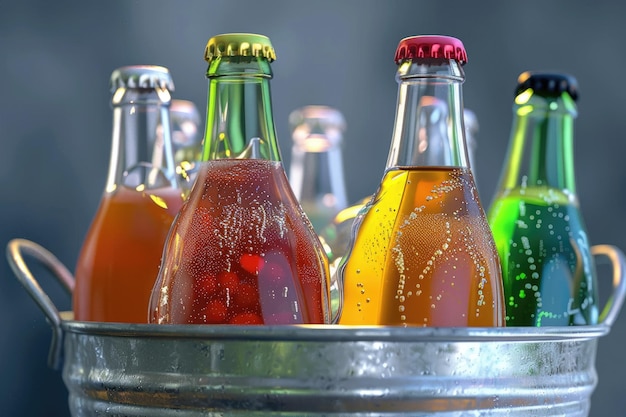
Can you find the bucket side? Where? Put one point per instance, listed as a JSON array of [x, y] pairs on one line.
[[154, 376]]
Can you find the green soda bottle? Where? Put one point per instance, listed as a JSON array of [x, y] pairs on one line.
[[547, 267]]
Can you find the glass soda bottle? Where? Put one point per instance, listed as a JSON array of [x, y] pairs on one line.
[[186, 140], [121, 253], [338, 232], [241, 250], [316, 175], [422, 253], [548, 271], [316, 170]]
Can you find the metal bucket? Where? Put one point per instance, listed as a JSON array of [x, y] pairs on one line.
[[199, 370]]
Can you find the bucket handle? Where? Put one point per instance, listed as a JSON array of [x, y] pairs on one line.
[[616, 299], [15, 249]]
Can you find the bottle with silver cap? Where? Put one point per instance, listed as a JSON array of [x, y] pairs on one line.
[[241, 250], [120, 255]]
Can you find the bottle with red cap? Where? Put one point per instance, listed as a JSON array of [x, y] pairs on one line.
[[421, 252]]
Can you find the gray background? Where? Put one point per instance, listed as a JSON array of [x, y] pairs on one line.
[[55, 118]]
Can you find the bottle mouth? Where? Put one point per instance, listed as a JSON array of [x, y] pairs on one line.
[[315, 143], [432, 70], [123, 96]]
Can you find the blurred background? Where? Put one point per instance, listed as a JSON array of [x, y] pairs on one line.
[[55, 119]]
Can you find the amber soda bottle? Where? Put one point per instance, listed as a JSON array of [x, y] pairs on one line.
[[121, 253], [547, 267], [241, 250], [421, 252]]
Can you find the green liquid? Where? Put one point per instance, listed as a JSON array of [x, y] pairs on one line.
[[548, 271]]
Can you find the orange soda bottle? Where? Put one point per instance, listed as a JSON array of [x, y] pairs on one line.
[[241, 250], [421, 252], [120, 256]]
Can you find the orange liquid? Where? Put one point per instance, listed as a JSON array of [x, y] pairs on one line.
[[242, 252], [120, 257], [423, 255]]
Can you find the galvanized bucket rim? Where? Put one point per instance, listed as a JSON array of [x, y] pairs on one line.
[[333, 332]]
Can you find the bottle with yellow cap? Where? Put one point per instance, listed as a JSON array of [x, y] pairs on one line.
[[120, 255], [421, 251], [241, 250]]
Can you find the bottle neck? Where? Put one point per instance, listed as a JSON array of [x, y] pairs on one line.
[[541, 149], [428, 129], [142, 156], [316, 176], [240, 124]]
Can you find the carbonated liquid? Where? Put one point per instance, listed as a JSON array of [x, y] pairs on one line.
[[120, 259], [423, 255], [549, 276], [241, 252]]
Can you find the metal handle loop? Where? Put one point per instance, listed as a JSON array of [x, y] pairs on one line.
[[614, 303], [15, 250]]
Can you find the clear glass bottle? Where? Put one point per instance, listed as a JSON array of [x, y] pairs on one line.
[[422, 253], [548, 271], [187, 141], [316, 170], [317, 178], [120, 256], [241, 250]]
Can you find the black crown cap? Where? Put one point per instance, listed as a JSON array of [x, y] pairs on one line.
[[549, 84]]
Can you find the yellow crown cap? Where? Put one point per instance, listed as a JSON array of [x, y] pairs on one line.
[[239, 44]]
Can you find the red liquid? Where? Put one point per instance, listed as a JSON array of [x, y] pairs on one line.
[[242, 252], [120, 257]]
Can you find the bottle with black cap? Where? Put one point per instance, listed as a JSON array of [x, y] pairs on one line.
[[549, 277]]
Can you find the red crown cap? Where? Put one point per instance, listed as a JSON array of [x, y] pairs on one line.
[[431, 46]]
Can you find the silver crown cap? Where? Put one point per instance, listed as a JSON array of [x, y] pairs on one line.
[[141, 76]]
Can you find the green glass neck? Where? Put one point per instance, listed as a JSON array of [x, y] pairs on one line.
[[428, 129], [239, 110], [541, 149]]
